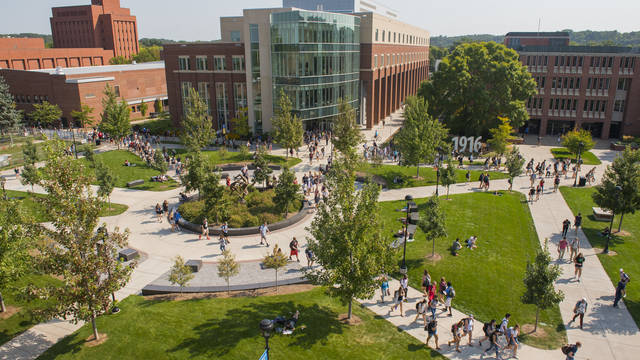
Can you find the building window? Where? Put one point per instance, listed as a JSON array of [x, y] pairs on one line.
[[376, 34], [184, 63], [116, 90], [235, 36], [222, 105], [618, 106], [203, 91], [240, 95], [201, 63], [219, 63], [375, 61], [383, 32], [238, 62], [185, 87]]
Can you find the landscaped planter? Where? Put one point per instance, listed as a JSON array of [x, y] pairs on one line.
[[517, 141], [621, 147], [238, 167]]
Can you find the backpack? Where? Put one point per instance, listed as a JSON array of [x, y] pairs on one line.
[[454, 328], [452, 293], [566, 349], [485, 327]]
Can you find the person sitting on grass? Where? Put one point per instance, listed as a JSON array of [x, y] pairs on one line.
[[472, 242], [455, 247], [127, 163]]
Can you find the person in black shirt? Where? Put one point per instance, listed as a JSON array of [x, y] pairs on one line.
[[493, 339]]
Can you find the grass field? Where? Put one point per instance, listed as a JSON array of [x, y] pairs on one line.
[[115, 161], [229, 329], [234, 157], [427, 175], [625, 245], [22, 320], [587, 157], [33, 208], [17, 157], [488, 280]]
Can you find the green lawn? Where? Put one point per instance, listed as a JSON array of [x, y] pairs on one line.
[[33, 208], [17, 158], [229, 329], [488, 280], [115, 161], [587, 157], [626, 247], [22, 320], [427, 174], [233, 157]]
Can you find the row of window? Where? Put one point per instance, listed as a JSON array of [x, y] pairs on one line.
[[395, 59], [222, 100], [626, 62], [26, 99], [400, 38], [572, 104], [568, 82], [219, 63]]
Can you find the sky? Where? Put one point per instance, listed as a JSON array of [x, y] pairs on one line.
[[199, 19]]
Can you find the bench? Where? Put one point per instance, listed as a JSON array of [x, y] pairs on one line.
[[135, 183], [195, 265], [411, 229], [412, 207], [128, 254], [601, 214], [414, 217]]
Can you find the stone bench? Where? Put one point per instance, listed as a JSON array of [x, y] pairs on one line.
[[414, 217], [128, 254], [195, 265], [411, 229], [602, 214], [135, 183]]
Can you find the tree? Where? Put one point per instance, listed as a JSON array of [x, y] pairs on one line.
[[228, 267], [262, 170], [420, 135], [448, 175], [345, 134], [240, 125], [160, 163], [10, 117], [119, 60], [115, 116], [45, 114], [144, 107], [216, 198], [346, 234], [106, 181], [287, 128], [84, 259], [198, 168], [88, 153], [197, 128], [30, 174], [180, 273], [620, 187], [573, 138], [286, 192], [275, 261], [17, 233], [148, 54], [30, 153], [514, 165], [83, 116], [538, 280], [432, 222], [476, 83], [500, 136]]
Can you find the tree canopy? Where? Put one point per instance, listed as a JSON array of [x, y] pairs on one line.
[[500, 136], [287, 128], [197, 127], [539, 279], [45, 114], [476, 83], [432, 221], [83, 116], [514, 164], [115, 116], [10, 117], [578, 140]]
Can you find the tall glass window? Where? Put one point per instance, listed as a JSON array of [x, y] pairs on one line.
[[202, 63], [185, 87], [184, 63], [256, 85], [219, 63], [203, 91], [238, 62], [222, 105], [240, 95]]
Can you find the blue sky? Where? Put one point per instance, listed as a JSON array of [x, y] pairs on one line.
[[198, 19]]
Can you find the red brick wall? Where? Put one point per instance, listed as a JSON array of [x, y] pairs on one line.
[[31, 59]]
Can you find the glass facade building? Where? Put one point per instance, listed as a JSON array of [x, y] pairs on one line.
[[315, 58]]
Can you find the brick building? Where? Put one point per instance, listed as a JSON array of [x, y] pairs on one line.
[[31, 54], [70, 88], [103, 24], [315, 57], [591, 87]]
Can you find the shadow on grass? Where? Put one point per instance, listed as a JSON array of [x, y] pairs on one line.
[[219, 336]]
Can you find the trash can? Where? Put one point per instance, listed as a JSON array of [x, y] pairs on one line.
[[583, 181]]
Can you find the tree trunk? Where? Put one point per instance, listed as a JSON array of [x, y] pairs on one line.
[[350, 306], [228, 288], [418, 170], [2, 307], [620, 225], [447, 192], [109, 203], [276, 281], [95, 328], [535, 328], [511, 184]]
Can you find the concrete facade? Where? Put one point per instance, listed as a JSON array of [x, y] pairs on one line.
[[342, 6]]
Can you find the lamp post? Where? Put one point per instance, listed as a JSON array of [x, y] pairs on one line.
[[439, 164], [403, 269], [613, 214], [266, 327], [580, 146]]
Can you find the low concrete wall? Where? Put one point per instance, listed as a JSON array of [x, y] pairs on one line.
[[158, 289], [238, 167]]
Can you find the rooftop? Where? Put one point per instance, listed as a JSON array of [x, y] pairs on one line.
[[85, 70], [540, 34]]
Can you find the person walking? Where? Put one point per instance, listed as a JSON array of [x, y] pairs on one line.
[[426, 281], [176, 219], [579, 310], [488, 329], [432, 331], [574, 247], [571, 350], [159, 212], [565, 227], [421, 310], [624, 280], [442, 286], [398, 298], [504, 324], [562, 247], [293, 246], [556, 183], [405, 286], [493, 343], [456, 332], [311, 259], [512, 339], [468, 328], [449, 294], [263, 233], [577, 222], [204, 228], [578, 262], [384, 288], [618, 295]]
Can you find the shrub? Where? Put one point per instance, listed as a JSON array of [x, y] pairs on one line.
[[269, 218], [192, 211]]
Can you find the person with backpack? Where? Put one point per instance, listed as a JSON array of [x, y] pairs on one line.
[[449, 294], [493, 343], [468, 328], [426, 280], [571, 349], [456, 329], [512, 339], [293, 246], [421, 310], [578, 262], [624, 280], [579, 310], [504, 324], [488, 329], [432, 331], [404, 282]]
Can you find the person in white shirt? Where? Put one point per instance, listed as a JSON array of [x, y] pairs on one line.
[[405, 285]]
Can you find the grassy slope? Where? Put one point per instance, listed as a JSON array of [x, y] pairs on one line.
[[627, 248], [587, 157], [488, 280], [229, 329]]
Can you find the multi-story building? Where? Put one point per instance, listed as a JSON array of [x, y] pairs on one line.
[[342, 6], [70, 88], [103, 24], [315, 57], [591, 87]]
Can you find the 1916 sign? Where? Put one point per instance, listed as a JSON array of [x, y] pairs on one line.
[[467, 144]]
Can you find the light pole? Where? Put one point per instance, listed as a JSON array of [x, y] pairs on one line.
[[613, 214], [403, 269], [266, 327], [439, 163], [580, 146]]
